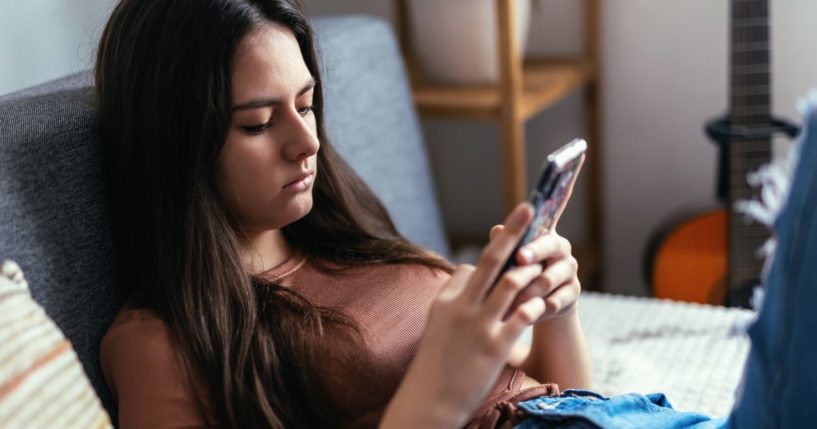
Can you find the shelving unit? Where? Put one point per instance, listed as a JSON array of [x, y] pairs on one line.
[[525, 88]]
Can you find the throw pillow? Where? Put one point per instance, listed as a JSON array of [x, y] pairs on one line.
[[42, 384]]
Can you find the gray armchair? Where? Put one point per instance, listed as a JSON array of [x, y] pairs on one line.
[[53, 216]]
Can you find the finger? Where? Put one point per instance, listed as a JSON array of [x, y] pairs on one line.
[[495, 254], [523, 316], [453, 288], [553, 277], [507, 288], [545, 247], [496, 229], [561, 300]]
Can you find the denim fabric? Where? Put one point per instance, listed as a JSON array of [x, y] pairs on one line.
[[780, 385], [585, 409]]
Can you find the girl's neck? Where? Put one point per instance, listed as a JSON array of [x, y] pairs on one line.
[[264, 250]]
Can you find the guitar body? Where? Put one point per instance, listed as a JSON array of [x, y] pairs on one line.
[[689, 260]]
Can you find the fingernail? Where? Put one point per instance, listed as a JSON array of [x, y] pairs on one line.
[[527, 255]]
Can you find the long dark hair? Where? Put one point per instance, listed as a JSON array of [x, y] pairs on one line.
[[163, 92]]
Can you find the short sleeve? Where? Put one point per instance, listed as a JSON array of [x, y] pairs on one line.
[[142, 370]]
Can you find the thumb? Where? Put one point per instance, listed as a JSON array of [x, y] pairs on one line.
[[496, 229]]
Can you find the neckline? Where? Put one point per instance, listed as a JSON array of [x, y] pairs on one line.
[[284, 269]]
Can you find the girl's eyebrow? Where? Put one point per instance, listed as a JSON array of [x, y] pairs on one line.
[[266, 102]]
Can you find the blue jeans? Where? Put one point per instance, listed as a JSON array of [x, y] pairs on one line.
[[779, 389], [780, 384], [585, 409]]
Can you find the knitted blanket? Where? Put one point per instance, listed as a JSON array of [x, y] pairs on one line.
[[693, 353]]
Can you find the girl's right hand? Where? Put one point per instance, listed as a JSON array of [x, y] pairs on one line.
[[466, 342]]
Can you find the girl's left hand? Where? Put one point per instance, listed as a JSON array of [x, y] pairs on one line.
[[559, 283]]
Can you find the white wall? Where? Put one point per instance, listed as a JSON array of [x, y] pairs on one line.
[[664, 74], [42, 40]]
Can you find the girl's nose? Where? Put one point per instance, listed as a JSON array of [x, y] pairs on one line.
[[302, 140]]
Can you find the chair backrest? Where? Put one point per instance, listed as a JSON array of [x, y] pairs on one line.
[[53, 216]]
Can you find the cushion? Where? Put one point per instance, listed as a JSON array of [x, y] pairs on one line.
[[53, 217], [42, 384]]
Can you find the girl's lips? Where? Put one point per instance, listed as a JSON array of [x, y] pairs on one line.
[[301, 183]]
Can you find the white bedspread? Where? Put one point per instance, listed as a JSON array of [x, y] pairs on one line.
[[693, 353]]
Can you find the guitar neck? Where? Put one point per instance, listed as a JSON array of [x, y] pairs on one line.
[[750, 81], [750, 110]]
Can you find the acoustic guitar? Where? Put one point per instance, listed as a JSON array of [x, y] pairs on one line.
[[711, 257]]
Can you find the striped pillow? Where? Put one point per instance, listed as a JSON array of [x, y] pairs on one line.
[[42, 384]]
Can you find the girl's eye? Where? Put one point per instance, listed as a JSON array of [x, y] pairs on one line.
[[255, 129], [305, 110]]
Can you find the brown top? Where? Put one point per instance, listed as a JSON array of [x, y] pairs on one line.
[[389, 302]]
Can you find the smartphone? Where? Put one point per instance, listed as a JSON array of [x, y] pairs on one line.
[[549, 197]]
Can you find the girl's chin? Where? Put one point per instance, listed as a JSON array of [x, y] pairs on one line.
[[297, 209], [279, 214]]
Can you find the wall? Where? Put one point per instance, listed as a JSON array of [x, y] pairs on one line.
[[664, 74], [42, 40]]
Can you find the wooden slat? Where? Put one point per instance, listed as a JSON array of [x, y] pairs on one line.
[[594, 222], [512, 119], [548, 82], [545, 82]]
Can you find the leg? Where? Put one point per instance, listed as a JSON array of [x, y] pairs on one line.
[[780, 384]]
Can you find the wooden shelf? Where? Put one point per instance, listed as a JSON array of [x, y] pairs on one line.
[[544, 83], [525, 87]]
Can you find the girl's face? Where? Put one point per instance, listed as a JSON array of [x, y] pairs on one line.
[[268, 164]]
